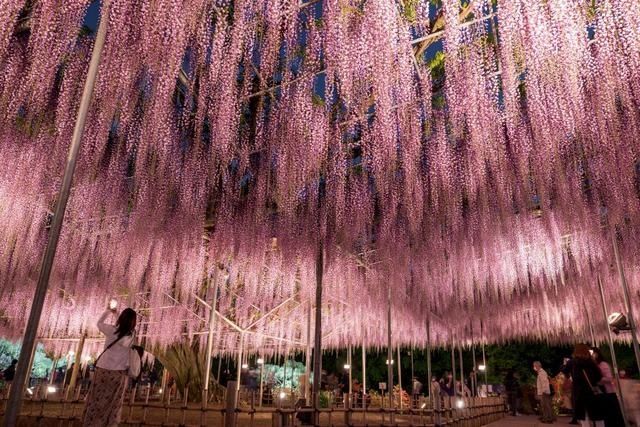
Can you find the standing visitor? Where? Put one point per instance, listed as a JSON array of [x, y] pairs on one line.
[[586, 376], [10, 372], [512, 388], [106, 396], [543, 393], [446, 385], [612, 412]]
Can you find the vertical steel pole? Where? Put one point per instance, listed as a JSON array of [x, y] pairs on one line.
[[429, 375], [212, 323], [262, 382], [76, 367], [14, 402], [412, 375], [461, 371], [307, 365], [453, 365], [389, 351], [350, 370], [614, 360], [317, 347], [399, 378], [591, 334], [627, 299], [474, 379], [364, 374], [239, 368]]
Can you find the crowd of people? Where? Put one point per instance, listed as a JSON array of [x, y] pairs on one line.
[[586, 384]]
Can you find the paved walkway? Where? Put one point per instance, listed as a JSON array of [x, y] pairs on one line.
[[527, 421]]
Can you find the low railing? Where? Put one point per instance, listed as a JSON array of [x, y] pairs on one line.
[[147, 406]]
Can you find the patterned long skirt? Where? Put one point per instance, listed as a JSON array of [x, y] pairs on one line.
[[104, 402]]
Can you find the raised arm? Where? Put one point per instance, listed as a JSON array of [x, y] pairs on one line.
[[104, 327]]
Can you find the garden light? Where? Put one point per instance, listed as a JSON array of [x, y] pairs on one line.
[[52, 389]]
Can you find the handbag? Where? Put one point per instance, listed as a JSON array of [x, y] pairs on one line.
[[595, 390]]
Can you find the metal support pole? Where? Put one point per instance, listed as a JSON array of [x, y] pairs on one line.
[[76, 367], [317, 347], [239, 369], [307, 365], [461, 371], [412, 375], [350, 369], [429, 374], [389, 351], [212, 324], [474, 379], [453, 366], [364, 374], [54, 366], [14, 402], [591, 334], [614, 361], [399, 378], [262, 383], [627, 299]]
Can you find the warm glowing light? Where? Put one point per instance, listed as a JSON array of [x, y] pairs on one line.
[[460, 404], [52, 389], [388, 361], [347, 366], [482, 368], [160, 391], [245, 366], [424, 405], [282, 395], [113, 304], [30, 391], [260, 361]]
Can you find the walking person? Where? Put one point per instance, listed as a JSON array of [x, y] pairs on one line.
[[106, 396], [512, 388], [586, 376], [543, 393], [609, 399]]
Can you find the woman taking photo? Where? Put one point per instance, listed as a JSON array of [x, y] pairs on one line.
[[104, 402]]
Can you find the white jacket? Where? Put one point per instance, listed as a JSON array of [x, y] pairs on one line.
[[542, 383], [117, 357]]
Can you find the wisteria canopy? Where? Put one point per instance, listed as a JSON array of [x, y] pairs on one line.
[[477, 158]]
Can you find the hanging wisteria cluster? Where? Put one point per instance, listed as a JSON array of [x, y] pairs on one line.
[[466, 164]]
